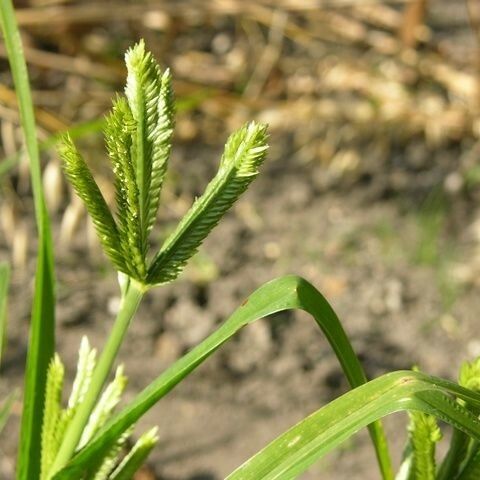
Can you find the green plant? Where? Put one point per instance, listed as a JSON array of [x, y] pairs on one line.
[[85, 439]]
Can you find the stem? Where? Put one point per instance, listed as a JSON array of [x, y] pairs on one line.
[[455, 456], [130, 302]]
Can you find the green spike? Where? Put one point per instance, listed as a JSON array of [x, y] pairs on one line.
[[86, 188], [136, 457], [149, 96], [53, 397], [463, 451], [85, 366], [161, 138], [424, 434], [111, 458], [105, 406], [469, 376], [119, 135], [244, 153]]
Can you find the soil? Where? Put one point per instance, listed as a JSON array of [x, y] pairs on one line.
[[400, 275]]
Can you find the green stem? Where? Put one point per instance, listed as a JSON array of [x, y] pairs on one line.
[[455, 456], [130, 302]]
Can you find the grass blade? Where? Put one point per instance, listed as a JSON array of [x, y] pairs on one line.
[[293, 452], [75, 131], [4, 282], [285, 293], [6, 409], [42, 328]]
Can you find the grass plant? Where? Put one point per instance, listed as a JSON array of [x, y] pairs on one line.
[[86, 438]]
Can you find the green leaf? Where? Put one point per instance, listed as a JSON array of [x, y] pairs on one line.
[[40, 351], [471, 471], [6, 408], [42, 329], [459, 449], [282, 294], [76, 131], [4, 282], [86, 188], [244, 153], [293, 452]]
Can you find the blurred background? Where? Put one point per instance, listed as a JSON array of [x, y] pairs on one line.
[[371, 191]]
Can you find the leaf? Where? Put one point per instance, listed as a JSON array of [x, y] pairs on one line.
[[4, 282], [244, 153], [76, 131], [42, 329], [293, 452], [40, 351], [282, 294], [86, 188], [471, 470], [459, 451], [6, 408]]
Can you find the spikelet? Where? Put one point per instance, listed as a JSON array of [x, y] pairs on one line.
[[136, 457], [105, 406], [119, 137], [424, 433], [85, 366], [244, 153], [150, 98], [111, 458], [52, 413], [469, 376], [82, 181]]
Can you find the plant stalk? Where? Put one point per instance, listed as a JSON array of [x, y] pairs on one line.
[[130, 302], [455, 456]]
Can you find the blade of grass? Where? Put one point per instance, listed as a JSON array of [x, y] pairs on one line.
[[293, 452], [285, 293], [6, 409], [4, 281], [42, 329], [76, 131]]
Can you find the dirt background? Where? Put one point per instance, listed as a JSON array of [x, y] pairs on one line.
[[370, 192]]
